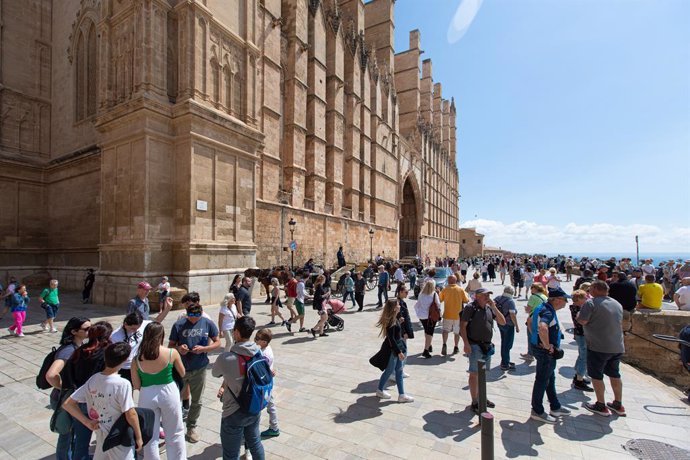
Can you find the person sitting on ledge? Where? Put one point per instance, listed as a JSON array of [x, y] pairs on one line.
[[651, 295]]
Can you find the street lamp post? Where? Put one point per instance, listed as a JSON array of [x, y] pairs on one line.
[[292, 225], [371, 244]]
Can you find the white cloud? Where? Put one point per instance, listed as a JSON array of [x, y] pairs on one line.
[[532, 237], [464, 15]]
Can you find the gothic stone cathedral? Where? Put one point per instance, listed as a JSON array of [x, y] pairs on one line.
[[179, 137]]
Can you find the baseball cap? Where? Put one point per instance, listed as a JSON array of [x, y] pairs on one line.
[[144, 285], [483, 291], [558, 292]]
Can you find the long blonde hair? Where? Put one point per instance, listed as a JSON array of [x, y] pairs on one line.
[[388, 316], [429, 287]]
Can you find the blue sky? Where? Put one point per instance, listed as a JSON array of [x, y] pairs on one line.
[[574, 118]]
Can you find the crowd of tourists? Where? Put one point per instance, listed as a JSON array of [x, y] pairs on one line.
[[97, 366]]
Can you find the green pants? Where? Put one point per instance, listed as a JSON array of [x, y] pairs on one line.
[[197, 381]]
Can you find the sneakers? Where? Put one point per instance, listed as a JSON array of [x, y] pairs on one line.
[[559, 412], [313, 332], [431, 349], [426, 354], [247, 455], [405, 375], [271, 323], [192, 435], [581, 385], [288, 325], [505, 368], [490, 404], [20, 334], [270, 433], [456, 350], [444, 350], [53, 330], [475, 406], [185, 412], [405, 399], [323, 334], [543, 417], [617, 407], [526, 356], [44, 326], [383, 394], [598, 408], [10, 331], [303, 329]]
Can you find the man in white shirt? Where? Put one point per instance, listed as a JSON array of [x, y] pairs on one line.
[[399, 277], [648, 268], [682, 295]]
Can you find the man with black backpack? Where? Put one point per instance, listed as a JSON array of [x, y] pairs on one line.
[[247, 384]]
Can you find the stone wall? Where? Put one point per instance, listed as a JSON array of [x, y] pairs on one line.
[[658, 357]]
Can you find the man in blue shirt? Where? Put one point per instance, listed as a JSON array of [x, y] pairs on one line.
[[384, 285], [546, 340], [194, 337]]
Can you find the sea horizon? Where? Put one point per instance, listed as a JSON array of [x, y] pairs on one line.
[[664, 256]]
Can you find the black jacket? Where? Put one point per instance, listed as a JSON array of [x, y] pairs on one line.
[[407, 322], [625, 293]]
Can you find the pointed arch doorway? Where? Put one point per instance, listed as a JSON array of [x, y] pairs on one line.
[[409, 221]]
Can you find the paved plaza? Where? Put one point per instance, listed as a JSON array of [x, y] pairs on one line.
[[327, 407]]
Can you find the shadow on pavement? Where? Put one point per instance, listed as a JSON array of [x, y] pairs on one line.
[[443, 424], [366, 407], [366, 387], [577, 428], [306, 338], [676, 411], [519, 438], [212, 451]]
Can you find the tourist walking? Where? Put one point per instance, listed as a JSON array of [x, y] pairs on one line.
[[107, 396], [320, 298], [291, 294], [299, 301], [405, 322], [518, 279], [86, 361], [243, 298], [528, 277], [545, 333], [349, 288], [384, 286], [7, 295], [237, 425], [476, 329], [341, 257], [50, 302], [503, 270], [73, 336], [412, 275], [227, 315], [579, 380], [360, 287], [263, 340], [389, 327], [425, 299], [602, 318], [491, 270], [276, 305], [152, 375], [194, 337], [453, 298], [235, 285], [19, 304], [506, 305], [473, 285], [89, 281]]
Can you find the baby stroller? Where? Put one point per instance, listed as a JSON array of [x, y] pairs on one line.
[[333, 307]]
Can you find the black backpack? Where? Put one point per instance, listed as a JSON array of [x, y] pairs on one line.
[[48, 361]]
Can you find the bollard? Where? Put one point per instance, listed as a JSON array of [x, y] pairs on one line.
[[487, 422], [482, 387]]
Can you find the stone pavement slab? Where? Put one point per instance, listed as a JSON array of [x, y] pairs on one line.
[[327, 408]]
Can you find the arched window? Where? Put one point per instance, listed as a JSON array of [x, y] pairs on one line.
[[227, 76], [215, 78], [237, 95], [85, 70]]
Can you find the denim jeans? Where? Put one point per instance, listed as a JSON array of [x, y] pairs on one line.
[[507, 339], [544, 381], [413, 282], [349, 295], [236, 427], [82, 437], [581, 362], [394, 365], [65, 446], [383, 290]]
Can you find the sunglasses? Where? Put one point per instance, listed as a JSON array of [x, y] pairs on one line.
[[195, 314]]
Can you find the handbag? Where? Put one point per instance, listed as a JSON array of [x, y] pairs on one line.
[[381, 358], [61, 420], [434, 310]]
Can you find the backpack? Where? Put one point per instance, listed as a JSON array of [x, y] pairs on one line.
[[517, 274], [257, 386], [41, 381]]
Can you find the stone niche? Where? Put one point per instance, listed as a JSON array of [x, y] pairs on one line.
[[658, 357]]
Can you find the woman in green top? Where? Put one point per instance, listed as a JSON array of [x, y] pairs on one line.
[[50, 303], [152, 375], [537, 298]]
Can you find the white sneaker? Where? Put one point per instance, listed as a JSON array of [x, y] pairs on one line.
[[44, 326], [247, 455], [54, 329], [10, 331], [20, 335], [405, 399], [406, 375], [383, 394]]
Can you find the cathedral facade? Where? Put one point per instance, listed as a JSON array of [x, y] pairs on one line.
[[180, 137]]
